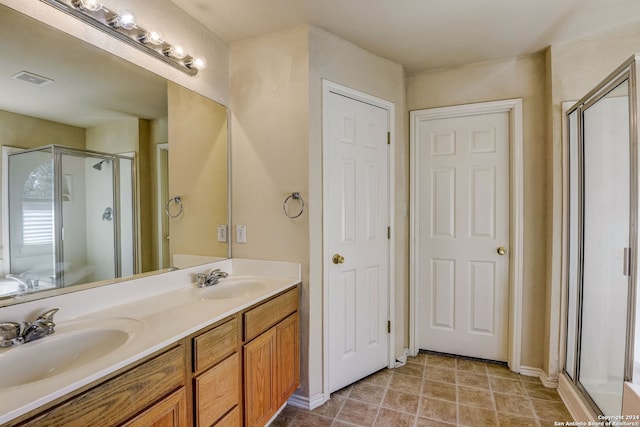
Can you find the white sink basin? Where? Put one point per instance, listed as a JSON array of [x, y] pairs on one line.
[[232, 288], [71, 346]]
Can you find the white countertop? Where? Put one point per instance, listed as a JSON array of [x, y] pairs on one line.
[[162, 309]]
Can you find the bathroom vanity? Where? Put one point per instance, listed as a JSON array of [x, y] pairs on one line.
[[226, 355]]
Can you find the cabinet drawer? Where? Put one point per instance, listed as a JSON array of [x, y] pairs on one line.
[[261, 318], [218, 390], [212, 346], [119, 398]]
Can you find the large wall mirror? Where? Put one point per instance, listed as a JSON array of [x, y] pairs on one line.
[[108, 170]]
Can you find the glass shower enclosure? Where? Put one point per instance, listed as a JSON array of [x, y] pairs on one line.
[[71, 216], [602, 240]]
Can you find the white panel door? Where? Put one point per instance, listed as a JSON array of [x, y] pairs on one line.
[[463, 208], [357, 216]]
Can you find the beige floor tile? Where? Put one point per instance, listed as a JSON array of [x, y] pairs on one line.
[[501, 371], [380, 378], [549, 410], [509, 420], [528, 379], [425, 422], [471, 379], [330, 407], [473, 416], [359, 413], [471, 366], [413, 369], [405, 383], [418, 358], [475, 397], [308, 419], [538, 391], [507, 386], [343, 392], [442, 361], [513, 404], [452, 392], [366, 392], [389, 418], [399, 401], [439, 390], [436, 373], [439, 410], [285, 417]]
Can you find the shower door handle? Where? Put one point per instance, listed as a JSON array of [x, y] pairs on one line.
[[626, 267]]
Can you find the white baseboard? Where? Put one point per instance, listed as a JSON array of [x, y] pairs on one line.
[[304, 402], [537, 372], [402, 360]]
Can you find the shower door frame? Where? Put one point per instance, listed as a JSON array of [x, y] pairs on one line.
[[627, 71], [56, 153]]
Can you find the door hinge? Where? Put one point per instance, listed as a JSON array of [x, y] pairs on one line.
[[388, 138], [388, 232], [388, 326]]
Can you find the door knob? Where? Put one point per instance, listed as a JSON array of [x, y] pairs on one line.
[[338, 259], [501, 250]]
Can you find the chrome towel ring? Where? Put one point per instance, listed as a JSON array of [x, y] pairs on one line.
[[293, 196], [177, 201]]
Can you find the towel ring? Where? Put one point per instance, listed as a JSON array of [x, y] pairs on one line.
[[177, 200], [293, 196]]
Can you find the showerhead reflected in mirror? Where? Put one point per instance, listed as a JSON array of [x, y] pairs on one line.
[[98, 166], [94, 102]]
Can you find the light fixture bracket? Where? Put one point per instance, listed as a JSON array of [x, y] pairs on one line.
[[103, 19]]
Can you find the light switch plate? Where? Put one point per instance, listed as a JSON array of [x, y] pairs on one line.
[[241, 233], [222, 233]]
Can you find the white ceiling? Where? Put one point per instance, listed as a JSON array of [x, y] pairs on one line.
[[425, 34]]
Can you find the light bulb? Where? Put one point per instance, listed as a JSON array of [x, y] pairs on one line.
[[177, 52], [126, 21], [199, 63], [92, 5], [152, 37]]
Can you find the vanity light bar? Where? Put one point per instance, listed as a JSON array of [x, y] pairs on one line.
[[123, 27]]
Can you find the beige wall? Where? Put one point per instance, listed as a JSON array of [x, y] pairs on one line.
[[524, 78], [197, 130], [17, 130], [276, 87], [270, 153]]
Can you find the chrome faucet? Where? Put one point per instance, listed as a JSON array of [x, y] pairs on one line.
[[26, 282], [12, 334], [204, 280]]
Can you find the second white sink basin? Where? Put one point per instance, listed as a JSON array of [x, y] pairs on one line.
[[232, 288], [68, 348]]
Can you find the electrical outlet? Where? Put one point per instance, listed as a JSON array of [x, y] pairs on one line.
[[222, 233], [241, 233]]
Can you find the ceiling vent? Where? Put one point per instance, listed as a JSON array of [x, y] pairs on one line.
[[35, 79]]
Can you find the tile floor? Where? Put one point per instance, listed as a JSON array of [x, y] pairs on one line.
[[434, 390]]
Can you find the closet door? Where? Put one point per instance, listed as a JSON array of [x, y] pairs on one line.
[[606, 214]]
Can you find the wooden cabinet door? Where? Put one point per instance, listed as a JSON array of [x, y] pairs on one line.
[[288, 364], [217, 391], [169, 412], [260, 379]]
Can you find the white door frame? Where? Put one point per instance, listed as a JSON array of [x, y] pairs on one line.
[[330, 87], [516, 213]]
